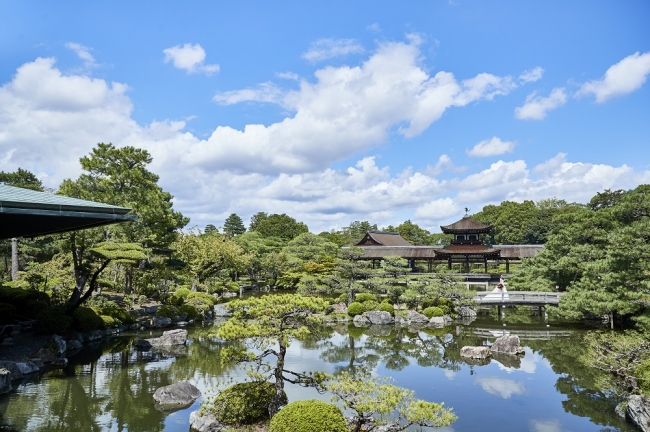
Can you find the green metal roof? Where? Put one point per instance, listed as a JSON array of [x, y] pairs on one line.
[[28, 213]]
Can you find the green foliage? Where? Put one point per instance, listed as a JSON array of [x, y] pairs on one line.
[[53, 321], [281, 226], [309, 247], [206, 298], [355, 308], [343, 298], [120, 314], [370, 305], [167, 311], [234, 226], [244, 403], [87, 319], [119, 252], [433, 311], [109, 321], [7, 312], [387, 307], [192, 312], [22, 179], [309, 416], [642, 374], [24, 300], [364, 297], [372, 397]]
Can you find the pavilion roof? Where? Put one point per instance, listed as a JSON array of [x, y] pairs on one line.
[[28, 213], [409, 252], [466, 225], [379, 238], [459, 250]]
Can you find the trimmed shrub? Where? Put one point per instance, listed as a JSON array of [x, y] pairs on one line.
[[232, 287], [343, 298], [34, 307], [53, 321], [370, 305], [108, 321], [167, 311], [433, 311], [309, 416], [21, 299], [191, 312], [364, 297], [355, 308], [203, 296], [87, 319], [244, 403], [7, 312], [120, 314], [387, 307]]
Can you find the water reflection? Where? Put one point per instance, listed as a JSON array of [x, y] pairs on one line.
[[109, 387]]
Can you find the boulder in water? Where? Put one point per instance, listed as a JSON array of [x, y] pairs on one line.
[[475, 352], [169, 338], [508, 344], [205, 422], [416, 317], [177, 395], [638, 410], [379, 317]]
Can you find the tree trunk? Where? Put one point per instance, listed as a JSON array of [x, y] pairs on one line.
[[611, 320], [14, 259], [274, 406]]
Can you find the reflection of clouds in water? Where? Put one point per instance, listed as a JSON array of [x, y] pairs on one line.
[[501, 387], [450, 374], [545, 426], [528, 363]]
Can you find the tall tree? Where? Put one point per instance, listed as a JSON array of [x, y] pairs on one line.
[[256, 219], [281, 226], [234, 226]]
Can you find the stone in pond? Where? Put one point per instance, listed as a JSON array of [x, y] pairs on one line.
[[177, 395]]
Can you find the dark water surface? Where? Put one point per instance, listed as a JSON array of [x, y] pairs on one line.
[[109, 387]]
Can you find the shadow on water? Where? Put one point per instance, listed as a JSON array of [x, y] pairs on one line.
[[109, 385]]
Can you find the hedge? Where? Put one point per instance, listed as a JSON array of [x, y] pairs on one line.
[[309, 416]]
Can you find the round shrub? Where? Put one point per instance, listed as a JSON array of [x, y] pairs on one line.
[[309, 416], [343, 298], [189, 310], [207, 298], [118, 313], [444, 301], [387, 307], [433, 311], [87, 319], [364, 297], [108, 321], [7, 312], [244, 403], [182, 292], [53, 321], [355, 309], [167, 311], [34, 307], [233, 287], [370, 305]]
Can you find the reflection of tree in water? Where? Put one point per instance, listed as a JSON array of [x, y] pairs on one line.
[[578, 381], [349, 351]]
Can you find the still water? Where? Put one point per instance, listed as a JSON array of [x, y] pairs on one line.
[[109, 387]]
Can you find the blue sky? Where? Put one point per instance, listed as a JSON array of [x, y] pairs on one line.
[[335, 111]]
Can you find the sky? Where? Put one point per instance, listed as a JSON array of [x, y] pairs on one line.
[[337, 111]]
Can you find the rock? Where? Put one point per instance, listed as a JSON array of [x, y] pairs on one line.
[[399, 320], [15, 371], [509, 361], [57, 345], [481, 352], [152, 309], [143, 345], [169, 338], [60, 363], [134, 326], [340, 308], [360, 320], [508, 344], [415, 317], [205, 423], [73, 344], [440, 321], [465, 311], [27, 368], [160, 322], [177, 395], [7, 342], [45, 355], [379, 317], [5, 381], [620, 409], [638, 410], [94, 335]]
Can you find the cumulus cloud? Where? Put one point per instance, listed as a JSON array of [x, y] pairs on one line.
[[83, 52], [536, 107], [328, 48], [620, 79], [189, 58], [532, 75], [501, 387], [266, 92], [491, 147], [49, 119], [288, 75]]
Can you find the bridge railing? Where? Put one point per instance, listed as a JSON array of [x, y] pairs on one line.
[[525, 297]]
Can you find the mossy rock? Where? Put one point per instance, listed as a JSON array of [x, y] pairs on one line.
[[355, 309], [244, 403], [309, 416]]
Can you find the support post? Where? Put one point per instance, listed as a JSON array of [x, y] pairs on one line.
[[449, 263], [507, 265], [485, 261]]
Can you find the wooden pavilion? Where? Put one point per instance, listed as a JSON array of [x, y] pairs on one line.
[[467, 245]]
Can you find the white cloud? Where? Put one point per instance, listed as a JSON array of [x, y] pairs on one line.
[[532, 75], [501, 387], [83, 52], [536, 107], [328, 48], [620, 79], [444, 164], [437, 210], [189, 58], [545, 426], [266, 92], [528, 363], [288, 75], [491, 147], [374, 27]]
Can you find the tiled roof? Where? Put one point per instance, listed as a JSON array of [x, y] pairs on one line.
[[467, 249], [466, 225], [383, 239]]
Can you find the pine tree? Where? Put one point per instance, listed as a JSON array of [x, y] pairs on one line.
[[234, 225]]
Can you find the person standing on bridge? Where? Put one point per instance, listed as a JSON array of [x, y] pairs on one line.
[[500, 292]]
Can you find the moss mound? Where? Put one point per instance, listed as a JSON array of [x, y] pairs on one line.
[[87, 319], [355, 309], [433, 311], [364, 297], [309, 416], [244, 403]]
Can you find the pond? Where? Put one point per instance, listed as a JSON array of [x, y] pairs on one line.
[[109, 386]]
